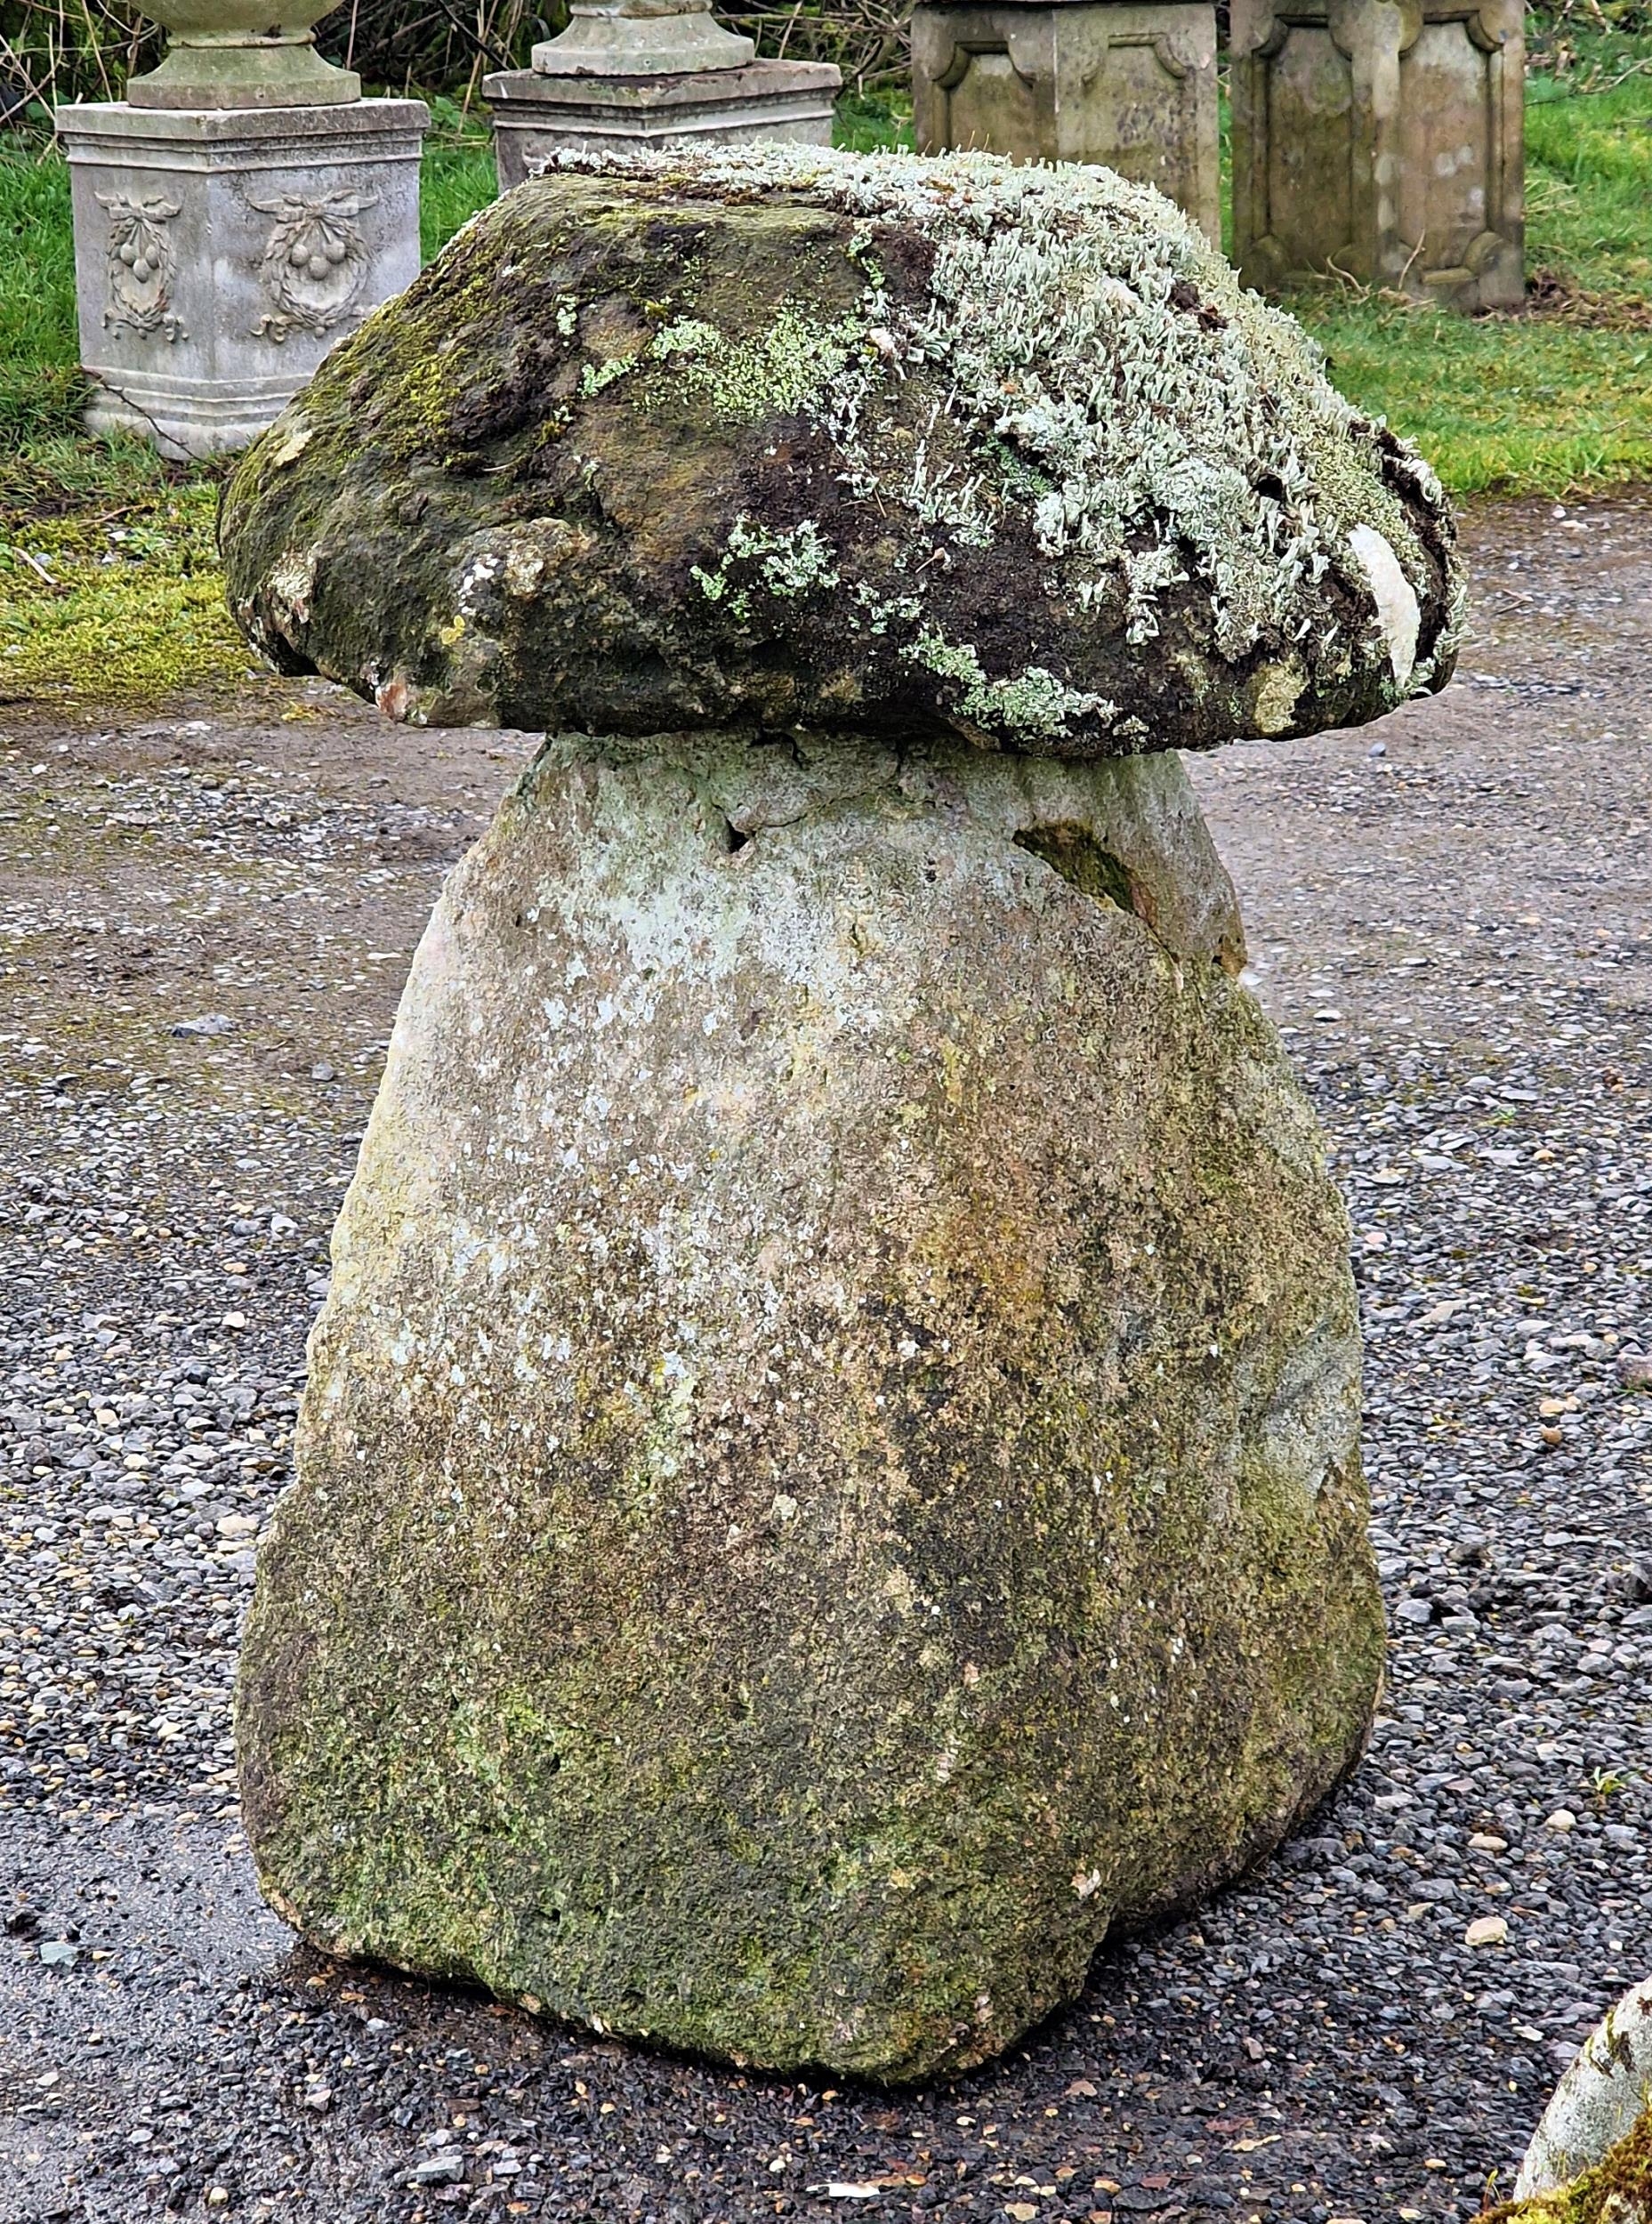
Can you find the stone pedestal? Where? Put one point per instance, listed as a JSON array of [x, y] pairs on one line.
[[220, 253], [534, 115], [1133, 86], [1382, 141], [652, 73]]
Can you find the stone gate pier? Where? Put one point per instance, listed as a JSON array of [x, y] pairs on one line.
[[1130, 83], [1381, 141]]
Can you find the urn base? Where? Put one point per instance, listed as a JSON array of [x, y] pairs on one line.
[[265, 73], [221, 253]]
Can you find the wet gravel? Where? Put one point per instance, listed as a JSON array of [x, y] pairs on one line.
[[203, 923]]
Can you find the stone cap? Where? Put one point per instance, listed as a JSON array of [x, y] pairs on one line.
[[94, 121], [531, 88], [679, 439]]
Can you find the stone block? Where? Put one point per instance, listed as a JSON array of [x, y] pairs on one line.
[[1133, 86], [1381, 141], [536, 116], [221, 253]]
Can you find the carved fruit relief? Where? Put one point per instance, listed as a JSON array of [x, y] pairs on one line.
[[315, 260], [141, 263]]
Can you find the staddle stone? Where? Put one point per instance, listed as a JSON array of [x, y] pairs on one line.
[[668, 442], [829, 1478]]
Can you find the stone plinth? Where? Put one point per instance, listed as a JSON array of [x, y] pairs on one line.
[[1133, 86], [221, 253], [535, 114], [1381, 142]]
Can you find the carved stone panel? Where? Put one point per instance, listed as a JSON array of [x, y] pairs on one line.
[[1381, 141], [315, 260], [220, 253], [141, 262], [1133, 86]]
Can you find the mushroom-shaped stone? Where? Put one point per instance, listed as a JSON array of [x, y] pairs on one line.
[[829, 1478], [667, 442]]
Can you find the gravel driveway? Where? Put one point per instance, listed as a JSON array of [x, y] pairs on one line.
[[204, 925]]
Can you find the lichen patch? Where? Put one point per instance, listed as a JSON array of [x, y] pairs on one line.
[[955, 444]]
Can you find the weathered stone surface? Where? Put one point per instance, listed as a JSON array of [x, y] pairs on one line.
[[1598, 2124], [829, 1475], [664, 441], [1130, 85], [1383, 144]]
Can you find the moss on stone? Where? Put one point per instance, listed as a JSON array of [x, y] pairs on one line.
[[1066, 488], [1618, 2189], [829, 1476]]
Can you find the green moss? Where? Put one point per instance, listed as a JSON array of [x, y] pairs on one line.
[[127, 608], [1618, 2189]]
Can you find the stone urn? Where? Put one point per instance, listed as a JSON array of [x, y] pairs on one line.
[[228, 54]]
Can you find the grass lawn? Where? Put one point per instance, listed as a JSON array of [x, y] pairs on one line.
[[1536, 403], [106, 563]]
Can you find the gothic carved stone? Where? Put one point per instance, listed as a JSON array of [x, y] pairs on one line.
[[314, 261], [1381, 141], [141, 264], [1130, 85]]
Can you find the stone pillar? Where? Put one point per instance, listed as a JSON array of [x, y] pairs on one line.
[[650, 73], [1132, 85], [1382, 140], [221, 253]]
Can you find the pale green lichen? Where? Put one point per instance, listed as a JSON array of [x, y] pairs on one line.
[[787, 564], [787, 369], [1057, 308], [595, 376], [1035, 703]]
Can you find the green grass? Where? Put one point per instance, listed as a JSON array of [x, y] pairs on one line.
[[1536, 407], [40, 387], [458, 178], [106, 554], [1589, 175], [1547, 403]]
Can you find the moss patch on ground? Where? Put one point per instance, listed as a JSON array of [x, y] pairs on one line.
[[121, 602]]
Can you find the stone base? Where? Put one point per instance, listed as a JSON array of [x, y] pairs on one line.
[[535, 116], [600, 43], [1380, 144], [262, 74], [909, 1528], [1130, 83], [221, 253]]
